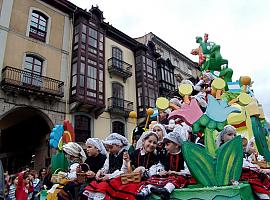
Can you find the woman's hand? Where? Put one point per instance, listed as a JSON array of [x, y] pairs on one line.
[[163, 173], [99, 175], [90, 174], [105, 178], [126, 156]]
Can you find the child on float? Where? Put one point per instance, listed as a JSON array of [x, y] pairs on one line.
[[160, 130], [116, 145], [227, 134], [96, 156], [144, 156], [174, 166], [75, 156]]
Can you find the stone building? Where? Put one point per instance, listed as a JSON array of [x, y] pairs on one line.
[[34, 62], [172, 66], [59, 61]]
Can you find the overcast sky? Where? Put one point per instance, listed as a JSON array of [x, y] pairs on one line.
[[241, 27]]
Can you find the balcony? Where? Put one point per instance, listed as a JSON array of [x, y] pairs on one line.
[[23, 82], [119, 68], [119, 106]]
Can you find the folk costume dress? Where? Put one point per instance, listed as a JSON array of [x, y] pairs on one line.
[[172, 162], [112, 168]]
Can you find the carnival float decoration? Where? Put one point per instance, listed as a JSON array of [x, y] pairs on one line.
[[60, 135], [220, 102]]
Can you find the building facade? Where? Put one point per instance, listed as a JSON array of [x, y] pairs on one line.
[[59, 62], [36, 39], [172, 66], [102, 77]]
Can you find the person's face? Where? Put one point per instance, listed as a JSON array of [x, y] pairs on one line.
[[113, 148], [159, 132], [69, 157], [15, 182], [244, 143], [150, 143], [228, 136], [92, 150], [31, 177], [27, 180], [43, 172], [172, 147]]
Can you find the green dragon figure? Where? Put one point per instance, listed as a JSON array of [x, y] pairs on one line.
[[211, 60]]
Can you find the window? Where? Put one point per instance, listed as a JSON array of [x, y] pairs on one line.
[[82, 128], [88, 65], [118, 94], [117, 57], [118, 127], [38, 26], [33, 71], [166, 77]]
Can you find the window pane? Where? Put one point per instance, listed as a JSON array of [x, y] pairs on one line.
[[74, 81], [100, 75], [101, 86], [81, 80], [92, 42], [101, 46], [42, 23], [74, 69], [92, 33], [82, 69], [42, 18], [100, 37], [29, 59], [76, 38], [34, 24], [37, 69], [35, 15], [83, 28], [76, 29], [83, 38]]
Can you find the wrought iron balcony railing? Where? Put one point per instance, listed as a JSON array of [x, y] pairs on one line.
[[119, 106], [27, 82], [120, 68]]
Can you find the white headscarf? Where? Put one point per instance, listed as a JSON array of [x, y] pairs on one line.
[[174, 137], [139, 144], [117, 139], [183, 131], [162, 128], [75, 150], [226, 129], [98, 144]]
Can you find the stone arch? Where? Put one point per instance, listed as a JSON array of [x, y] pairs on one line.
[[24, 134]]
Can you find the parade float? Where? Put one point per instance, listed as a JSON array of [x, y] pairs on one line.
[[217, 169]]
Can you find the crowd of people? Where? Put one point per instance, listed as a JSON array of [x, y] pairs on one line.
[[154, 154]]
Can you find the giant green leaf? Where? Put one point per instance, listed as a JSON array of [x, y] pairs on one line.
[[200, 163], [260, 138], [229, 161]]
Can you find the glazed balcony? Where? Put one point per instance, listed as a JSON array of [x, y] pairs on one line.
[[119, 68], [27, 83], [119, 106]]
